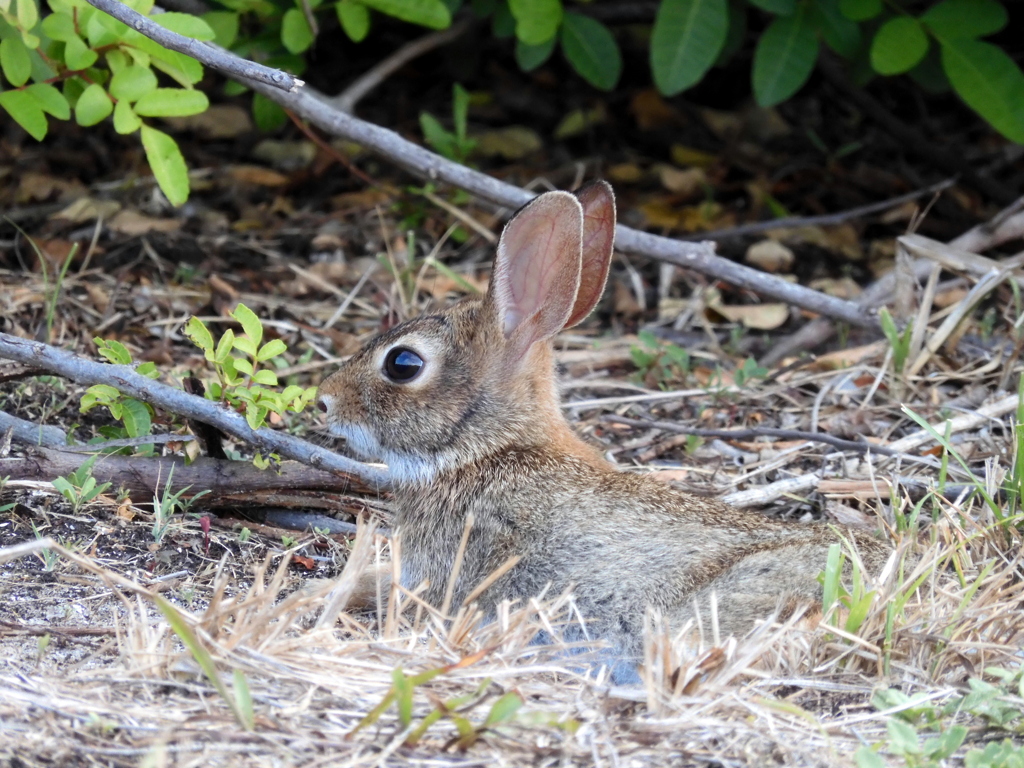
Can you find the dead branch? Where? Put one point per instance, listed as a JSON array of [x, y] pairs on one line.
[[827, 219], [346, 100], [125, 380], [147, 475], [314, 107]]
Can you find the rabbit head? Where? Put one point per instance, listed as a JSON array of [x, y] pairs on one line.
[[443, 389]]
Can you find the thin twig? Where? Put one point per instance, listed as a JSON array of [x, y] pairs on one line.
[[827, 219], [750, 434], [223, 61], [346, 100]]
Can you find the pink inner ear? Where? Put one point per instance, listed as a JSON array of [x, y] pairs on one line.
[[598, 202], [537, 269]]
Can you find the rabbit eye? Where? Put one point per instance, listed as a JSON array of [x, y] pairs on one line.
[[402, 364]]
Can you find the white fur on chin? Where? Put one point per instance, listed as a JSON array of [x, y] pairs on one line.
[[402, 467]]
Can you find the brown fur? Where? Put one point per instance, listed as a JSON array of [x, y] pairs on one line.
[[481, 432]]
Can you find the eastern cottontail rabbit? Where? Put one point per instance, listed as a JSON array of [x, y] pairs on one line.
[[462, 406]]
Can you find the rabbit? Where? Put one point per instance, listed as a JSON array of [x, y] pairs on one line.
[[463, 408]]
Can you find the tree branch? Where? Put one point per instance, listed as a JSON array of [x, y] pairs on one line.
[[314, 107], [126, 380], [216, 58]]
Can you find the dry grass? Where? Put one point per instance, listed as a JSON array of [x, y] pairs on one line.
[[786, 694], [94, 673]]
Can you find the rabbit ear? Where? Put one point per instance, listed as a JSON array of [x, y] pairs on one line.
[[598, 202], [537, 270]]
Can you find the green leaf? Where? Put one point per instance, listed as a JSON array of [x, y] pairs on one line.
[[687, 37], [902, 737], [93, 105], [184, 69], [591, 49], [784, 58], [185, 24], [171, 102], [899, 45], [537, 21], [103, 30], [125, 119], [860, 10], [503, 709], [28, 14], [354, 18], [200, 335], [965, 18], [26, 112], [77, 55], [250, 323], [167, 164], [14, 60], [295, 32], [840, 34], [503, 24], [989, 81], [443, 141], [268, 115], [949, 742], [50, 100], [529, 57], [427, 13], [460, 110], [203, 658], [224, 25], [255, 415], [246, 346], [271, 349], [136, 418], [265, 377], [778, 7], [403, 696], [59, 26], [132, 83], [222, 354], [866, 757]]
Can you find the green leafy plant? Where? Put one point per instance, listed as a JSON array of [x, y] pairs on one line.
[[165, 504], [48, 557], [80, 487], [1001, 754], [3, 484], [504, 709], [455, 145], [749, 372], [104, 69], [242, 383], [135, 415], [659, 363], [999, 704], [898, 340], [857, 600]]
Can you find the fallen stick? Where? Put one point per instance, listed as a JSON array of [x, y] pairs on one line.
[[149, 474], [126, 380], [315, 107]]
